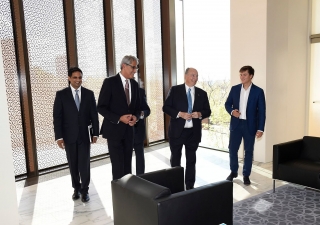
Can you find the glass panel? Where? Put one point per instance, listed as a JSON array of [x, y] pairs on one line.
[[124, 30], [91, 52], [12, 88], [314, 110], [315, 28], [154, 74], [207, 48], [48, 70]]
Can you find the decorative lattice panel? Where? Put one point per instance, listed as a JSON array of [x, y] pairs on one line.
[[124, 30], [153, 62], [91, 52], [12, 88], [45, 33]]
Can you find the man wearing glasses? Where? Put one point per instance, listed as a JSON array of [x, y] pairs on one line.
[[119, 104]]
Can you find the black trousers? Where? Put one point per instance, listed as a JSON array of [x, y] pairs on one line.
[[187, 139], [121, 154], [139, 151], [78, 156]]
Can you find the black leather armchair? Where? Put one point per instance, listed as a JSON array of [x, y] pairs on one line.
[[298, 162], [158, 198]]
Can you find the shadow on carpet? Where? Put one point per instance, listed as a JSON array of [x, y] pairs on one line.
[[289, 205]]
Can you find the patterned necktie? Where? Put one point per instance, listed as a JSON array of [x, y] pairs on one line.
[[189, 102], [126, 90], [77, 100]]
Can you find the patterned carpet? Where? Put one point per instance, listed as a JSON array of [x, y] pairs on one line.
[[289, 205]]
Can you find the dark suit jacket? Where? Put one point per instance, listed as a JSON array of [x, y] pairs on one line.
[[112, 104], [177, 101], [69, 122], [140, 127], [256, 108]]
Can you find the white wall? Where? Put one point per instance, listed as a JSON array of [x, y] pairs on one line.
[[272, 37], [8, 207]]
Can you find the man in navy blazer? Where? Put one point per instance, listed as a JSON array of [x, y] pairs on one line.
[[140, 133], [185, 122], [73, 111], [119, 104], [247, 107]]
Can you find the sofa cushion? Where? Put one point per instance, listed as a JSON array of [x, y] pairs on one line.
[[311, 148], [301, 171]]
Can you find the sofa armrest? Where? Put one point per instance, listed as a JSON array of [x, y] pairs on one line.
[[209, 204], [134, 200], [172, 178], [285, 152]]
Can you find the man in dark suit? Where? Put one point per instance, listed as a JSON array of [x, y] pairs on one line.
[[73, 111], [247, 107], [187, 105], [140, 133], [119, 104]]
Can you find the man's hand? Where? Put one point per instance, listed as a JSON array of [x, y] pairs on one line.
[[196, 115], [185, 115], [133, 121], [60, 143], [94, 140], [259, 134], [126, 118], [236, 113]]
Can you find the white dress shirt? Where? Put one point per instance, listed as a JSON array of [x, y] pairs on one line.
[[74, 92], [244, 94]]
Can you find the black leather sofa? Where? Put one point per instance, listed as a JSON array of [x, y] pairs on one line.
[[298, 162], [159, 198]]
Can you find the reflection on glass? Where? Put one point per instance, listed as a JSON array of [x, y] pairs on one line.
[[207, 48], [48, 72], [154, 80], [91, 53], [12, 88], [124, 30]]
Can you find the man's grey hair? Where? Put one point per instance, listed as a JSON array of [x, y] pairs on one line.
[[128, 59]]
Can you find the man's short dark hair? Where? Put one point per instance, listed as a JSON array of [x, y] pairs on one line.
[[72, 70], [247, 68]]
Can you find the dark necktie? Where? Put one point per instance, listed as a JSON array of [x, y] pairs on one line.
[[189, 102], [77, 100], [126, 90]]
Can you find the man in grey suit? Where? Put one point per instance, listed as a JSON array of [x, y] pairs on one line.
[[74, 111]]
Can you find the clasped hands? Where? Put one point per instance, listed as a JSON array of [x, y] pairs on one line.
[[189, 116], [129, 119]]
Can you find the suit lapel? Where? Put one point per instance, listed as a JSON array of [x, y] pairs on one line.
[[251, 94], [133, 91], [70, 98], [83, 96], [184, 97], [196, 98]]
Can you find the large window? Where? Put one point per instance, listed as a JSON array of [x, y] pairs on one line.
[[153, 62], [91, 53], [124, 30], [203, 42], [45, 31], [12, 88]]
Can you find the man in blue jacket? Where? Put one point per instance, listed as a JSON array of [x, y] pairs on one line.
[[247, 107]]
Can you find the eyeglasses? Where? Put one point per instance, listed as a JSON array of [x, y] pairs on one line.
[[133, 67]]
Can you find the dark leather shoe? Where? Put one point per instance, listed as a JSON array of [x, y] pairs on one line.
[[189, 187], [76, 195], [85, 197], [231, 176], [246, 180]]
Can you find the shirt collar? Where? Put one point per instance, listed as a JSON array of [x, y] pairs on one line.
[[73, 90], [187, 87], [248, 87], [123, 79]]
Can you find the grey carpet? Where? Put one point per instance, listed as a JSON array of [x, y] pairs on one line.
[[289, 205]]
